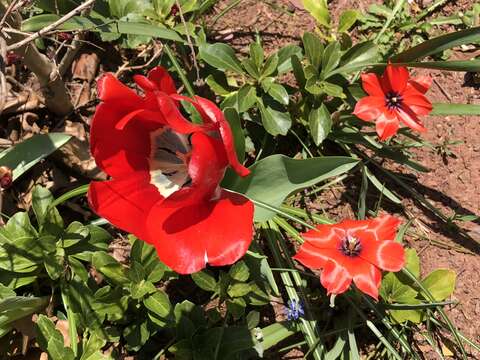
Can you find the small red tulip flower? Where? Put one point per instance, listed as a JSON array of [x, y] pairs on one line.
[[353, 250], [166, 173], [394, 98]]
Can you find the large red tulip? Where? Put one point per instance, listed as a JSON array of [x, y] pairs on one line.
[[353, 250], [394, 98], [166, 173]]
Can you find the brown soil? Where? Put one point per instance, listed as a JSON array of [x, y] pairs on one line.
[[452, 185]]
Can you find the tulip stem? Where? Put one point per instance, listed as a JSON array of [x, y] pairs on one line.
[[179, 70]]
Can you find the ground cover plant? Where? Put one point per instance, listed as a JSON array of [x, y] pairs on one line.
[[165, 189]]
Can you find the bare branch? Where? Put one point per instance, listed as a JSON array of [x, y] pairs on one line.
[[52, 26]]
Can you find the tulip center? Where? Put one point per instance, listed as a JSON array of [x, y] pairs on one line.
[[393, 100], [350, 246], [169, 158]]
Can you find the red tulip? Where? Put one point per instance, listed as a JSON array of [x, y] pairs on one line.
[[166, 173], [353, 250], [392, 98]]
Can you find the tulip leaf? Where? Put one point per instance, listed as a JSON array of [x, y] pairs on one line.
[[102, 25], [440, 109], [358, 57], [465, 65], [274, 178], [439, 44], [220, 56], [26, 154]]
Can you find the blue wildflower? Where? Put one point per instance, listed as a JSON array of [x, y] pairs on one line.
[[294, 309]]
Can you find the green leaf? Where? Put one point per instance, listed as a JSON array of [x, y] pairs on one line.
[[205, 280], [238, 137], [285, 55], [158, 303], [270, 66], [220, 56], [440, 109], [110, 268], [47, 216], [313, 49], [440, 283], [298, 71], [319, 10], [51, 340], [276, 91], [236, 307], [136, 272], [320, 123], [13, 308], [274, 178], [256, 55], [381, 187], [251, 68], [274, 122], [357, 57], [253, 319], [466, 65], [347, 19], [239, 271], [102, 25], [238, 290], [246, 98], [330, 59], [26, 154], [439, 44]]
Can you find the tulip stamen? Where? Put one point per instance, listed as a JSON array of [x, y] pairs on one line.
[[393, 100], [350, 246]]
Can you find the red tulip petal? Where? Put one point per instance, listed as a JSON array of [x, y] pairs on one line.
[[109, 88], [311, 256], [368, 279], [421, 83], [218, 232], [395, 78], [384, 227], [335, 278], [324, 236], [206, 169], [386, 125], [371, 84], [163, 80], [119, 152], [409, 118], [369, 108], [212, 114], [174, 117], [416, 101], [387, 255], [353, 225], [125, 203]]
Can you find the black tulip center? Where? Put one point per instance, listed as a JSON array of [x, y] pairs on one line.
[[350, 246], [393, 100]]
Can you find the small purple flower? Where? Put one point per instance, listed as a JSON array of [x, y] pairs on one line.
[[294, 310]]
